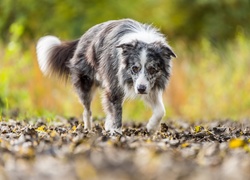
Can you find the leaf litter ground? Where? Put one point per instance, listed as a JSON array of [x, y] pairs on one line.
[[179, 150]]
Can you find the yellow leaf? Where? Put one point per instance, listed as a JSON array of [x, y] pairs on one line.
[[236, 143], [41, 128], [197, 129], [184, 145], [74, 128], [247, 148]]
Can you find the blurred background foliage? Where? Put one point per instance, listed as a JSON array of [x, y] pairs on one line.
[[211, 38]]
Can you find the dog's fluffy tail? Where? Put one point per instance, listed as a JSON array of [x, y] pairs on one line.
[[54, 55]]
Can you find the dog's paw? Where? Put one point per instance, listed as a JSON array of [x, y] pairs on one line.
[[110, 128], [152, 128], [115, 132]]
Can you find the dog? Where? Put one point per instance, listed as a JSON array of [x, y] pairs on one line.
[[127, 59]]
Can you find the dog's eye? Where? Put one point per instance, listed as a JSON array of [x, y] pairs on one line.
[[152, 70], [135, 69]]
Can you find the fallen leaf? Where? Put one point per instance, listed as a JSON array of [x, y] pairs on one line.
[[41, 128], [73, 128], [197, 129], [236, 143], [184, 145]]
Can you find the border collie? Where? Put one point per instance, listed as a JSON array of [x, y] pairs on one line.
[[125, 58]]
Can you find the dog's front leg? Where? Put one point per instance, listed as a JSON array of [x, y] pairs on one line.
[[112, 103], [158, 112]]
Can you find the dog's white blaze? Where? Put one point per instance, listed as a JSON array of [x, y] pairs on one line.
[[144, 36], [142, 80], [143, 57], [43, 50]]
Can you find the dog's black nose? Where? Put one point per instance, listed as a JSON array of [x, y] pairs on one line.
[[141, 89]]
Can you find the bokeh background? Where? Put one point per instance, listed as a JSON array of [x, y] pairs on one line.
[[211, 77]]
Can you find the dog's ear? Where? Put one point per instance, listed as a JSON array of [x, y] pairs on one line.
[[167, 52], [126, 47], [163, 49]]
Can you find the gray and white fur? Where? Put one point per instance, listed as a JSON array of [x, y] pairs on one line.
[[125, 58]]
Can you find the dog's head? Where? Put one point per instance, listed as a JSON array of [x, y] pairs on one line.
[[145, 66]]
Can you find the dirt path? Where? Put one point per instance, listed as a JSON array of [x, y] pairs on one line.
[[180, 150]]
